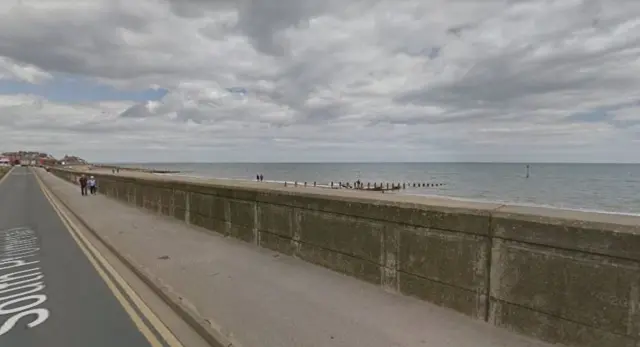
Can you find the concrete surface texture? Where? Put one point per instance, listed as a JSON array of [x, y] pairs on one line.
[[559, 276], [259, 297], [50, 294]]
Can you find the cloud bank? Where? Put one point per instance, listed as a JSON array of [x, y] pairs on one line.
[[303, 80]]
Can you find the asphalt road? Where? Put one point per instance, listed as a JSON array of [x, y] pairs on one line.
[[53, 292]]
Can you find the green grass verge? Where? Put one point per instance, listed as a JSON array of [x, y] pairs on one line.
[[3, 171]]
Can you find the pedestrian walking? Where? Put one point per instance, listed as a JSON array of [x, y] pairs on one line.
[[261, 178], [83, 185], [92, 185]]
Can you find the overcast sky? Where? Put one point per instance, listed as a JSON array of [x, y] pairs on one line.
[[322, 80]]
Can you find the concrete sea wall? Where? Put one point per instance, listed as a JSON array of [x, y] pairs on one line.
[[560, 276]]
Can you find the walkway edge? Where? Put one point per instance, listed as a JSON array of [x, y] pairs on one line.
[[3, 178], [188, 312]]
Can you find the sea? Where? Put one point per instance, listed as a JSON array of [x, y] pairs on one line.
[[612, 188]]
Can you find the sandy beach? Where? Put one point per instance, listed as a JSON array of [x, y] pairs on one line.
[[369, 196], [351, 193]]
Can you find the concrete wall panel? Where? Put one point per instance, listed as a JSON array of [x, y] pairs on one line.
[[613, 235], [590, 290], [340, 262], [219, 209], [464, 301], [553, 329], [276, 219], [277, 243], [451, 258], [201, 204], [241, 213], [351, 236]]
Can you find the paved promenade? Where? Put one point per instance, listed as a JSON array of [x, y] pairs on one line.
[[256, 298]]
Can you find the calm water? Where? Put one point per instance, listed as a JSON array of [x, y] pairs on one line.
[[601, 187]]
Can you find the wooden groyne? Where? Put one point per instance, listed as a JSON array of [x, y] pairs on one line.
[[115, 167], [369, 186]]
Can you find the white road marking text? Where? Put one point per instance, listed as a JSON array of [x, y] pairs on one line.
[[21, 281]]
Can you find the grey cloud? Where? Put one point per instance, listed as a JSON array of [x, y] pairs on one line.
[[199, 8], [606, 114], [137, 111], [260, 20], [323, 113], [459, 29], [508, 80], [92, 46], [141, 111], [99, 128], [86, 128]]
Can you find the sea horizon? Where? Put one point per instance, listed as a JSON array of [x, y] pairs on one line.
[[360, 162]]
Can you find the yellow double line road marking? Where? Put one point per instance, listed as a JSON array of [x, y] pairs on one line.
[[96, 259]]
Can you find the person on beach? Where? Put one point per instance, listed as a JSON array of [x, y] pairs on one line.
[[92, 185], [83, 184], [258, 177], [261, 178]]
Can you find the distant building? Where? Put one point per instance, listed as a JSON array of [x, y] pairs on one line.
[[72, 160], [48, 162], [29, 158], [34, 158]]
